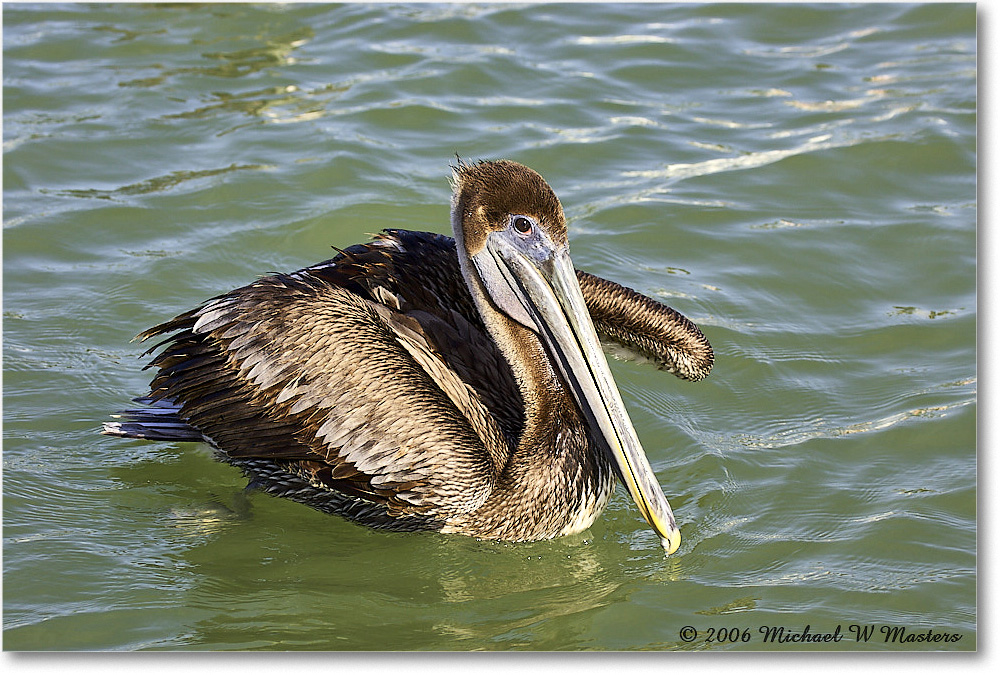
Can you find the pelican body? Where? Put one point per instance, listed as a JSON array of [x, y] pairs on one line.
[[420, 382]]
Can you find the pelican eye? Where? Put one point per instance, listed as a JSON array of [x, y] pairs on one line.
[[521, 224]]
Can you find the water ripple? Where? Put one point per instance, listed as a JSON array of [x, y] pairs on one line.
[[769, 170]]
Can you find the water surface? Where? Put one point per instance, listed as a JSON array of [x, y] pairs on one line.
[[799, 180]]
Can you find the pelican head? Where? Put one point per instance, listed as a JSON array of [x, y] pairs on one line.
[[512, 244]]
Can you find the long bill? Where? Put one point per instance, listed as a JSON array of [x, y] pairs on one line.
[[543, 280]]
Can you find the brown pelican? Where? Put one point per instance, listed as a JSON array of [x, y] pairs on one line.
[[422, 383]]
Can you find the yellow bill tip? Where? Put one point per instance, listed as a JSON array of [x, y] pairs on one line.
[[672, 542]]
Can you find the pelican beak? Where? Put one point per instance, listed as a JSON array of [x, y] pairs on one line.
[[540, 275]]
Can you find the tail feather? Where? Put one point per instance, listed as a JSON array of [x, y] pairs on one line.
[[159, 421]]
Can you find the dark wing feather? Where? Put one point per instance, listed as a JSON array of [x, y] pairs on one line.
[[293, 368], [418, 274], [649, 327]]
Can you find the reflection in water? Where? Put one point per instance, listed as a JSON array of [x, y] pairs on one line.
[[504, 604], [202, 522], [275, 54], [446, 592], [280, 104], [277, 103], [126, 34], [158, 184], [743, 604]]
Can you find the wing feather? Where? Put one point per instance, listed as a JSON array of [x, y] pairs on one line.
[[648, 327], [304, 370]]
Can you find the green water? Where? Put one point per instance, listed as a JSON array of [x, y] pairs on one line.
[[799, 180]]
